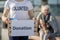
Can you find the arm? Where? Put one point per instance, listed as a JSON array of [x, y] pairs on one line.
[[4, 16], [30, 12], [54, 24], [5, 19]]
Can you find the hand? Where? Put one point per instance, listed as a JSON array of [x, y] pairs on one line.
[[35, 20], [5, 20]]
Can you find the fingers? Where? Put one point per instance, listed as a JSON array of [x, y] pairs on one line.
[[7, 21], [35, 18], [9, 31]]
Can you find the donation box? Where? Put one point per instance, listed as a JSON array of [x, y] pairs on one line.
[[22, 27]]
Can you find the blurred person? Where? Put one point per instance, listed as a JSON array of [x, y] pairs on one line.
[[48, 18], [17, 9]]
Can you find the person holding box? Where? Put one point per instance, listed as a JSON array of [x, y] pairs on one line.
[[20, 10]]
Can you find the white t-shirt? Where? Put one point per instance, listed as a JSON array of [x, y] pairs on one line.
[[19, 10]]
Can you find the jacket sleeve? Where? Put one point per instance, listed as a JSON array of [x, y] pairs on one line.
[[54, 23]]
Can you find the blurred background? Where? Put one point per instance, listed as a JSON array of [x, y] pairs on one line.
[[55, 8]]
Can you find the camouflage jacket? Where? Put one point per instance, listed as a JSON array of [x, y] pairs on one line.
[[52, 21]]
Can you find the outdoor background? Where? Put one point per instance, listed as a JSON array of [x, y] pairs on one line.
[[55, 8]]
